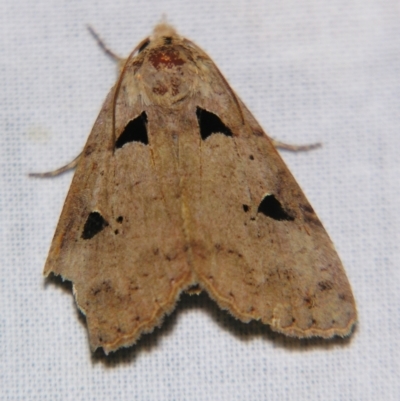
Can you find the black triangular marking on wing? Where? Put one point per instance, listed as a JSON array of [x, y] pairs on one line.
[[135, 131], [210, 123], [271, 207], [95, 223]]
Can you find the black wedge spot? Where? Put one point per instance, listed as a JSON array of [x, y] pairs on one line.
[[135, 131], [271, 207], [246, 208], [210, 123], [94, 224]]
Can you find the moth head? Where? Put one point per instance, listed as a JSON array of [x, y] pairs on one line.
[[163, 34], [163, 30]]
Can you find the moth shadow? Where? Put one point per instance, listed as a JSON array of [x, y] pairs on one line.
[[57, 281], [66, 287], [243, 331], [255, 329]]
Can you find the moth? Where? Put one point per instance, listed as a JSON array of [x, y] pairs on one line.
[[179, 187]]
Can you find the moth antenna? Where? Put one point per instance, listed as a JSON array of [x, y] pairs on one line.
[[295, 148], [103, 46], [70, 166]]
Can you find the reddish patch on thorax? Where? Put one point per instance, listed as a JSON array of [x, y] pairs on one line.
[[165, 58]]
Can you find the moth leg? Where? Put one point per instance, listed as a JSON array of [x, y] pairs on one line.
[[295, 148], [119, 60], [71, 165]]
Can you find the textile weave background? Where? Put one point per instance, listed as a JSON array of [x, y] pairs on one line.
[[309, 71]]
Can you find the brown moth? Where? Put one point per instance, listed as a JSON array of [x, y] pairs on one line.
[[178, 186]]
